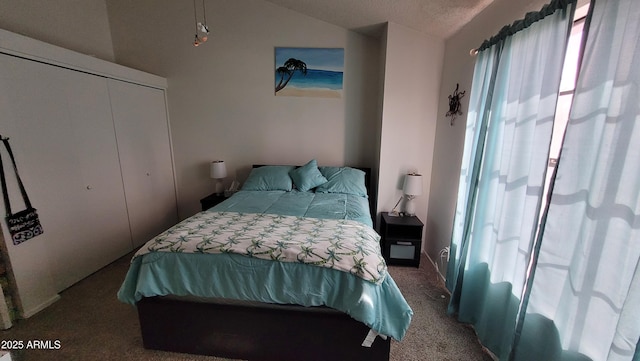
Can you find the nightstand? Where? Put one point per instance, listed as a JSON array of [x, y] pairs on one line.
[[401, 240], [211, 200]]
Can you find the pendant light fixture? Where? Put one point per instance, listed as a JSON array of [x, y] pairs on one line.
[[201, 27]]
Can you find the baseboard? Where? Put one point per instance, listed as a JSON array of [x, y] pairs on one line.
[[30, 312]]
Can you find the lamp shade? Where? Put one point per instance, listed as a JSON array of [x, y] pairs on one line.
[[218, 169], [412, 184]]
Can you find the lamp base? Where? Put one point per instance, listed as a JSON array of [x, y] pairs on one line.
[[219, 187], [409, 207]]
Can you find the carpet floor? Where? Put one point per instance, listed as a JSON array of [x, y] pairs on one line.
[[91, 324]]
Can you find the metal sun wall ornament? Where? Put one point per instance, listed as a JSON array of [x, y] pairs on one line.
[[454, 104]]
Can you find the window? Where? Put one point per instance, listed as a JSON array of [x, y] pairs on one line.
[[567, 89]]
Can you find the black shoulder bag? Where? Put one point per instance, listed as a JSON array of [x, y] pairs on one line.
[[25, 224]]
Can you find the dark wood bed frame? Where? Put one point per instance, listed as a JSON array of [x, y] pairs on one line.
[[258, 333]]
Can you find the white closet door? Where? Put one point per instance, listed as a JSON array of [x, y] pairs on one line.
[[142, 131], [62, 133]]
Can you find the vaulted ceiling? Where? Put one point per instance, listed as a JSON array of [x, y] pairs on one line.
[[438, 18]]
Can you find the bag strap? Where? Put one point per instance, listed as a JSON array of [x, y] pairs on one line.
[[15, 168], [5, 193]]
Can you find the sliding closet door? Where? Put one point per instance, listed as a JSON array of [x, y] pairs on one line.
[[142, 130], [60, 126]]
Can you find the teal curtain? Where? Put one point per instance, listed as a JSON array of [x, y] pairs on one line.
[[509, 127], [483, 82], [584, 301]]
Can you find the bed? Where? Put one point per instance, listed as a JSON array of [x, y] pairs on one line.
[[288, 268]]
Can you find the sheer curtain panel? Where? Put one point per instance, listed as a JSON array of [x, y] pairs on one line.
[[509, 127], [584, 302]]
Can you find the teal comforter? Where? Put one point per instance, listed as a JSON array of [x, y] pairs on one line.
[[300, 204], [380, 306]]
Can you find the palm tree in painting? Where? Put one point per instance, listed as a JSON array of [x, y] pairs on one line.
[[288, 69]]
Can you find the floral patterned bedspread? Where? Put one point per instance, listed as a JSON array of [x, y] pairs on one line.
[[344, 245]]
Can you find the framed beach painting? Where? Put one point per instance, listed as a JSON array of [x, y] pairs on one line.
[[309, 72]]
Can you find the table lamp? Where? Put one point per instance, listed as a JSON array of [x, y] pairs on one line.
[[412, 188], [218, 172]]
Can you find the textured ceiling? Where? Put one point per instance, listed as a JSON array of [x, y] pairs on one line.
[[439, 18]]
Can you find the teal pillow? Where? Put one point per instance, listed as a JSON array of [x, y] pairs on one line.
[[269, 178], [343, 180], [308, 176]]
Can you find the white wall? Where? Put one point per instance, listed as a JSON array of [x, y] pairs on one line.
[[80, 25], [221, 94], [411, 84], [458, 68]]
